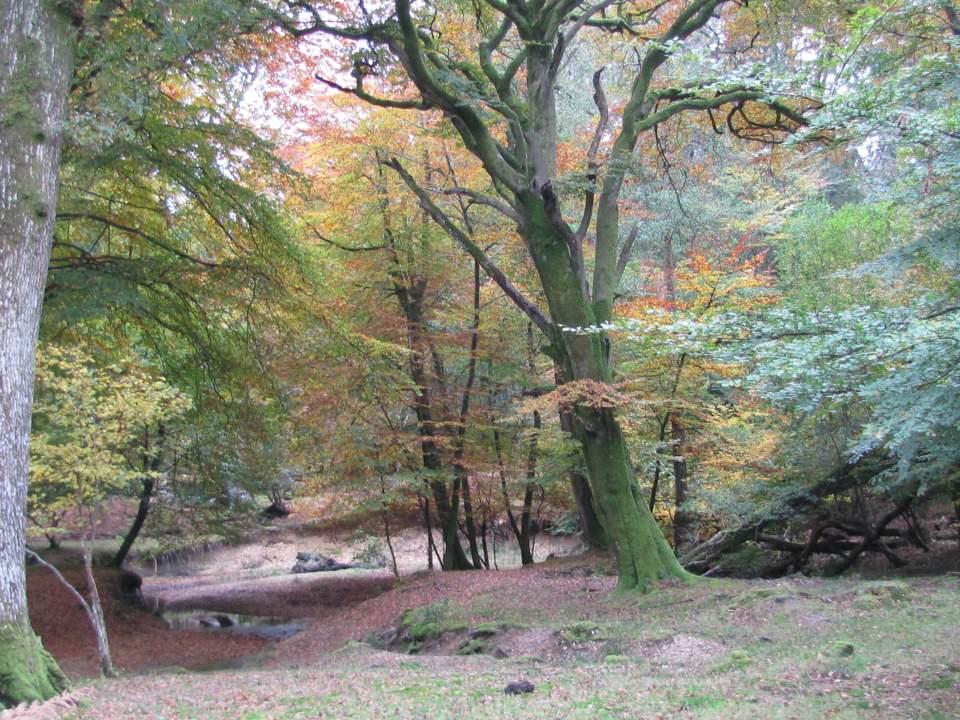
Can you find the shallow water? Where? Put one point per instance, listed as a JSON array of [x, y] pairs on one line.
[[272, 628]]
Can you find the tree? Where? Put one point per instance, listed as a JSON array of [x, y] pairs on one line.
[[125, 47], [496, 84], [88, 421], [36, 62]]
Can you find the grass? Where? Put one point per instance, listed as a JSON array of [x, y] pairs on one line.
[[800, 649]]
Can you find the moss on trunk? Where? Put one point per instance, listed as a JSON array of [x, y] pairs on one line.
[[28, 673], [643, 554]]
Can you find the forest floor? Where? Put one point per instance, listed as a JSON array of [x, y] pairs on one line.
[[792, 648]]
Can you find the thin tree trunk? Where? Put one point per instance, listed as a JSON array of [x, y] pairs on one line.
[[526, 551], [955, 488], [428, 524], [409, 289], [483, 541], [469, 523], [521, 530], [658, 465], [683, 530], [96, 612], [146, 495], [386, 522], [36, 64], [460, 443]]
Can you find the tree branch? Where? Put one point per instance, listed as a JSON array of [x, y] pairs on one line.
[[475, 251], [347, 248], [359, 92], [601, 101], [68, 216], [481, 199], [583, 19], [469, 124], [625, 251]]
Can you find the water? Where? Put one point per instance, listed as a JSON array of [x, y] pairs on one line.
[[272, 628]]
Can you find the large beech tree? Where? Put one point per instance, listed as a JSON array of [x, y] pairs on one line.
[[124, 51], [36, 62], [499, 90]]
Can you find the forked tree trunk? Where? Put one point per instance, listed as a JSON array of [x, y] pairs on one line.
[[642, 552], [36, 62]]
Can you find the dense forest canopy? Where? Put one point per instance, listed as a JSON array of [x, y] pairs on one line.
[[679, 276]]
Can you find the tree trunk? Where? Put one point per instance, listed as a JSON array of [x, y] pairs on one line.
[[955, 491], [385, 515], [409, 289], [590, 527], [468, 518], [454, 557], [96, 613], [683, 530], [526, 551], [431, 548], [36, 62], [463, 476], [658, 465], [150, 464], [134, 532], [448, 506], [643, 554]]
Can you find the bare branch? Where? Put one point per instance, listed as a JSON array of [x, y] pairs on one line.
[[601, 101], [63, 581], [359, 92], [625, 252], [481, 199], [475, 251], [348, 248]]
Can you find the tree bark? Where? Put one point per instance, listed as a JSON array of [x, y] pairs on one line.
[[463, 475], [591, 528], [643, 554], [150, 465], [36, 63], [526, 551], [683, 520]]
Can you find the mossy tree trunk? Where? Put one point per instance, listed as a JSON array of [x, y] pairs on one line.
[[643, 554], [591, 529], [36, 61], [27, 672]]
